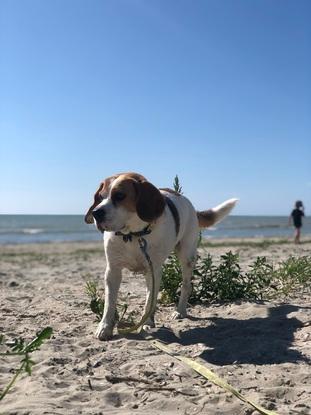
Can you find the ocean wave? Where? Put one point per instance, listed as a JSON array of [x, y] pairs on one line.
[[35, 231], [23, 231], [31, 231]]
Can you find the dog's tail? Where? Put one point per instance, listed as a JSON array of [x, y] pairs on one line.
[[211, 216]]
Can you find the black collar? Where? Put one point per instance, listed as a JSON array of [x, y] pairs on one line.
[[129, 236]]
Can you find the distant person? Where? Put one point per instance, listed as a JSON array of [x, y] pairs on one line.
[[296, 218]]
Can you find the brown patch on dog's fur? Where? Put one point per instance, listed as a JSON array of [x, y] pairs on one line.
[[206, 218], [104, 189], [141, 196], [150, 203], [135, 176], [126, 186]]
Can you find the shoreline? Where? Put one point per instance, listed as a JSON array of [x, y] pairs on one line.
[[305, 238]]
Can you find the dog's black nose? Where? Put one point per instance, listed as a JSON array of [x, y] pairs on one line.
[[99, 214]]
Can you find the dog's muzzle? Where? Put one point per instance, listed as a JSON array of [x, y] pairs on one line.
[[99, 215]]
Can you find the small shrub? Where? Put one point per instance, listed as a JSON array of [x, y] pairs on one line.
[[171, 280], [259, 279], [203, 275], [223, 282], [293, 273], [227, 282]]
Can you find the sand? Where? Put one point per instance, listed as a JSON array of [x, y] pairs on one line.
[[261, 348]]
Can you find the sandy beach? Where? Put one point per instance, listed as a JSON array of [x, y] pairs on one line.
[[261, 348]]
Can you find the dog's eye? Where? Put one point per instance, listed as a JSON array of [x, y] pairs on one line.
[[118, 196]]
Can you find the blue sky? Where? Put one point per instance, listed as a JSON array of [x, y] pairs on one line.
[[216, 91]]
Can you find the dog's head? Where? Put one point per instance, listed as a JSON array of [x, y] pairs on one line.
[[125, 201]]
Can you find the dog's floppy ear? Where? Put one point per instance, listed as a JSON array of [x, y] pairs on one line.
[[150, 202], [88, 218], [98, 197]]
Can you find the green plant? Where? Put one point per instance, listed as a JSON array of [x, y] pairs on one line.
[[203, 275], [18, 347], [171, 280], [123, 319], [224, 282], [97, 302], [259, 279], [293, 273], [177, 185], [227, 282]]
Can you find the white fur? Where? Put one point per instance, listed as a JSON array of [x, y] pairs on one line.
[[223, 209], [160, 243]]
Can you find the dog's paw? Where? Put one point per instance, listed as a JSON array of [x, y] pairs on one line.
[[104, 333], [176, 315], [149, 324]]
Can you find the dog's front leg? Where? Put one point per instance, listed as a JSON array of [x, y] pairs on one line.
[[112, 285]]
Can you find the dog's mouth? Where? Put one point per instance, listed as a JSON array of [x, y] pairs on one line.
[[101, 229], [106, 228]]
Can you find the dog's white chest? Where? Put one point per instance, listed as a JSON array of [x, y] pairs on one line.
[[133, 258], [127, 255]]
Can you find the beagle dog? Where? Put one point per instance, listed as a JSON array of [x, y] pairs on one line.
[[126, 206]]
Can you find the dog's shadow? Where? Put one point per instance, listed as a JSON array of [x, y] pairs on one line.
[[256, 340]]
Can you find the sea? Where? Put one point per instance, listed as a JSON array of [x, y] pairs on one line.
[[24, 229]]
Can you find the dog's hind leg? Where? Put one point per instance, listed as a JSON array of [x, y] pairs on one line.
[[186, 252]]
